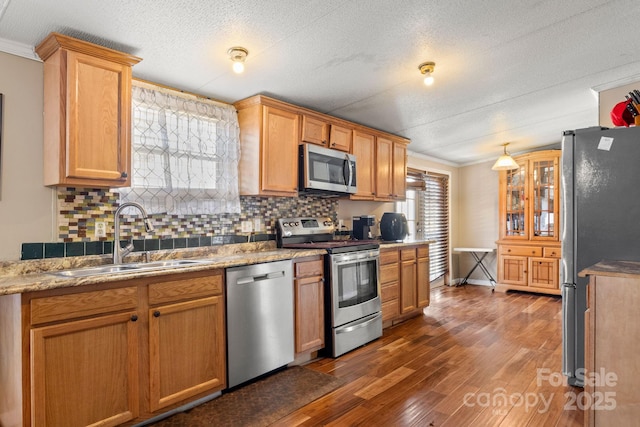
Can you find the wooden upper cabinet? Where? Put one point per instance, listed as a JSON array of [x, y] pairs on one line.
[[399, 189], [340, 137], [87, 113], [269, 137], [363, 147], [314, 130], [384, 168], [320, 131]]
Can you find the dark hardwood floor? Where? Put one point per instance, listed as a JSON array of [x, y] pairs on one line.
[[475, 358]]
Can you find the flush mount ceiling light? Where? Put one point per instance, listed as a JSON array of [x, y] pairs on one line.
[[426, 68], [238, 55], [505, 162]]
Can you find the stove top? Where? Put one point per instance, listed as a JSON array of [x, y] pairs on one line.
[[316, 233]]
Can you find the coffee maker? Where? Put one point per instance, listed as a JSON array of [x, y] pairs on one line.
[[362, 226]]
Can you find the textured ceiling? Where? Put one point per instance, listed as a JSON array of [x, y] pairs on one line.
[[519, 71]]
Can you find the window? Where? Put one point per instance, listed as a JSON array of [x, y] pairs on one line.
[[185, 153], [427, 211]]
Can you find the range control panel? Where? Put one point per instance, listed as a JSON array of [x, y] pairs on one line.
[[303, 226]]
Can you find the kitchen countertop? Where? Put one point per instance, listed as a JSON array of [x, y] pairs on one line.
[[613, 269], [37, 275]]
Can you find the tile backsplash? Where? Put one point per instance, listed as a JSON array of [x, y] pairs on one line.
[[80, 209]]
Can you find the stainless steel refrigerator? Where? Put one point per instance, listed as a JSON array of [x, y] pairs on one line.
[[600, 199]]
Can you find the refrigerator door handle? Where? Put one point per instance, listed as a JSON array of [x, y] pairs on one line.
[[569, 329]]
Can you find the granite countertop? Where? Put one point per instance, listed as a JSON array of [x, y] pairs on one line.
[[37, 275], [613, 269]]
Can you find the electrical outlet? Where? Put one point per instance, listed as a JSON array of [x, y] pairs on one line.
[[246, 227], [340, 224], [101, 229], [257, 224]]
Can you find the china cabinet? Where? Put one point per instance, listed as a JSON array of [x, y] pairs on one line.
[[529, 210]]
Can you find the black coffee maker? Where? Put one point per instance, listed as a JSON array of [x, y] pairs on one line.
[[362, 226]]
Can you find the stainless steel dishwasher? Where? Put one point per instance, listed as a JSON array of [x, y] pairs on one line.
[[259, 319]]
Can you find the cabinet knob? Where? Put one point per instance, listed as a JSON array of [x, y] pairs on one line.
[[324, 142], [333, 144], [134, 317], [123, 175], [156, 313], [508, 250]]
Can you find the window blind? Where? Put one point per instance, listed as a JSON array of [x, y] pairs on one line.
[[433, 216]]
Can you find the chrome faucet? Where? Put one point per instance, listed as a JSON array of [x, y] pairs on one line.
[[118, 251]]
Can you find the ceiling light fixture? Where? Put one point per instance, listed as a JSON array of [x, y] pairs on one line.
[[238, 55], [505, 162], [426, 68]]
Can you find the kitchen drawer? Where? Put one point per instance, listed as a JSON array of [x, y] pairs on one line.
[[194, 287], [407, 254], [390, 309], [309, 268], [81, 304], [389, 292], [388, 256], [521, 250], [423, 251], [551, 252], [389, 273]]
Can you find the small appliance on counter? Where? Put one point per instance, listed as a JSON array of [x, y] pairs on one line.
[[362, 226], [393, 226]]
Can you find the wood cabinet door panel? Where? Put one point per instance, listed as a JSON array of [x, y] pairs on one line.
[[85, 372], [363, 148], [309, 268], [384, 168], [189, 334], [424, 288], [543, 273], [389, 273], [309, 314], [99, 96], [408, 291], [314, 131], [399, 171], [513, 270], [340, 138], [279, 151]]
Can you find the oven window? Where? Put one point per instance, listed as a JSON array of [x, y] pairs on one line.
[[357, 283], [327, 169]]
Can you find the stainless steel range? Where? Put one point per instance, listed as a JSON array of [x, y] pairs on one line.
[[352, 289]]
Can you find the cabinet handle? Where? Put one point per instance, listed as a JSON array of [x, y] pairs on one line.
[[134, 317], [123, 175], [156, 313]]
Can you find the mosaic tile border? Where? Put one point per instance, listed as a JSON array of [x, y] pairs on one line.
[[79, 210], [70, 249]]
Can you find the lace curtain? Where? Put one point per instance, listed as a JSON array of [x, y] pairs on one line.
[[185, 153]]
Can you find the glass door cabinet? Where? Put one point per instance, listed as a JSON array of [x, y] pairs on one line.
[[529, 210]]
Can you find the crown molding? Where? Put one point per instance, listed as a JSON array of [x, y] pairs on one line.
[[18, 49], [431, 159]]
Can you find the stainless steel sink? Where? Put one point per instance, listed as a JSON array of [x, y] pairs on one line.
[[128, 268]]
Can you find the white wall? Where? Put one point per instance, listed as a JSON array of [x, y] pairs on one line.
[[478, 217], [26, 205]]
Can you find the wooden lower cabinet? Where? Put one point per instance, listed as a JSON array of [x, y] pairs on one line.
[[178, 338], [528, 267], [611, 394], [404, 282], [85, 372], [309, 304], [122, 352]]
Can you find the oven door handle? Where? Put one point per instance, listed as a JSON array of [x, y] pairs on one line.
[[363, 323], [350, 257]]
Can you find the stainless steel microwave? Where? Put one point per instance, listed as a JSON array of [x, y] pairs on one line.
[[323, 170]]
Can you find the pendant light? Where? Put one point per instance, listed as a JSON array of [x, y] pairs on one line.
[[505, 162]]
